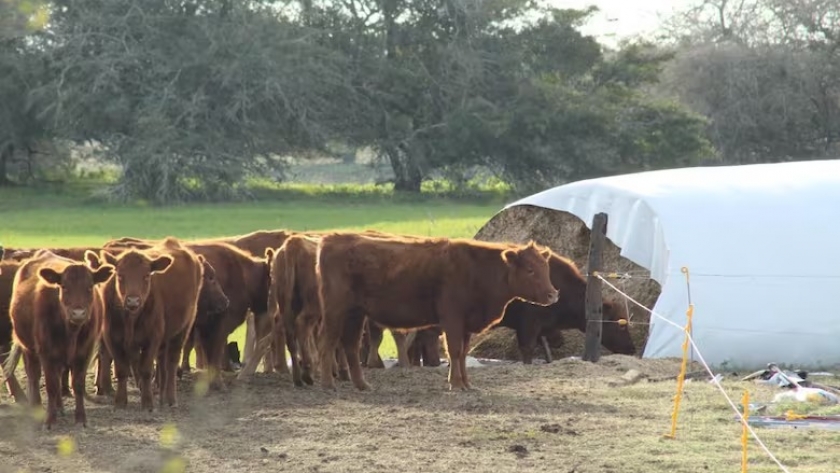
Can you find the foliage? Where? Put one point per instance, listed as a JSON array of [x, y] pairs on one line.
[[765, 72], [190, 100]]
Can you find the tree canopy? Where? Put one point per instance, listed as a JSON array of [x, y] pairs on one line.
[[189, 98]]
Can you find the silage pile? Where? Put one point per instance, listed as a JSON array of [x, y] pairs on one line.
[[568, 236]]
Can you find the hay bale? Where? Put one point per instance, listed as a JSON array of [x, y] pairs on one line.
[[568, 236]]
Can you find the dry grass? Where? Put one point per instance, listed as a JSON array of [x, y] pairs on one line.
[[563, 417]]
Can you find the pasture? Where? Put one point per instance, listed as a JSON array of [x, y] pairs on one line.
[[568, 416]]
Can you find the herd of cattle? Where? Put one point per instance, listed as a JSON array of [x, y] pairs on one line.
[[144, 305]]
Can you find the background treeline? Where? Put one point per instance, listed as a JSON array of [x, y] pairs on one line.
[[194, 100]]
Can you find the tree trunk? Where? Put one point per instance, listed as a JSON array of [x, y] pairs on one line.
[[409, 184], [5, 157], [407, 177]]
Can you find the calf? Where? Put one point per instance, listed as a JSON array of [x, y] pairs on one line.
[[462, 285], [56, 313], [150, 309], [532, 321]]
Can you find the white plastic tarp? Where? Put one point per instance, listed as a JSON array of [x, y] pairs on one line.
[[761, 242]]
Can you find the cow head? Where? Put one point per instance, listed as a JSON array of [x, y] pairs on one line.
[[615, 334], [134, 270], [529, 275], [75, 283], [212, 299]]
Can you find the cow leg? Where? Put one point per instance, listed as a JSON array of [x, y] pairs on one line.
[[215, 350], [79, 370], [415, 354], [250, 337], [430, 349], [351, 339], [547, 349], [12, 383], [289, 325], [104, 386], [32, 365], [159, 383], [403, 340], [455, 349], [265, 326], [122, 370], [373, 340], [145, 369], [65, 382], [200, 355], [52, 380], [172, 350], [279, 352], [527, 335], [303, 331], [188, 348], [343, 373], [466, 348], [157, 377]]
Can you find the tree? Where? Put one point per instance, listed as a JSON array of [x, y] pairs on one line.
[[22, 132], [189, 99], [765, 72]]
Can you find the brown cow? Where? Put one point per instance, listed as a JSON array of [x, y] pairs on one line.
[[532, 321], [294, 301], [73, 253], [462, 285], [57, 313], [244, 279], [151, 307], [8, 269], [211, 300], [254, 243]]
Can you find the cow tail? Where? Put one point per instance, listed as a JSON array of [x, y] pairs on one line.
[[12, 361], [288, 285]]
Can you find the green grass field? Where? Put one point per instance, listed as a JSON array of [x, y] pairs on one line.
[[68, 216]]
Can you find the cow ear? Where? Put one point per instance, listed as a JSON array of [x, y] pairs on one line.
[[510, 256], [161, 263], [103, 274], [92, 260], [50, 276], [107, 257]]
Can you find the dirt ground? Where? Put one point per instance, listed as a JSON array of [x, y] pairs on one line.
[[567, 416]]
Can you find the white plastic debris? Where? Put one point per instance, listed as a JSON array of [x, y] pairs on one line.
[[811, 395]]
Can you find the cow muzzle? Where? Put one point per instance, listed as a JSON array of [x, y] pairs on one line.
[[132, 302], [78, 315], [553, 297]]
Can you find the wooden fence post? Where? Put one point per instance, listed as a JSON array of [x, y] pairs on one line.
[[594, 303]]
